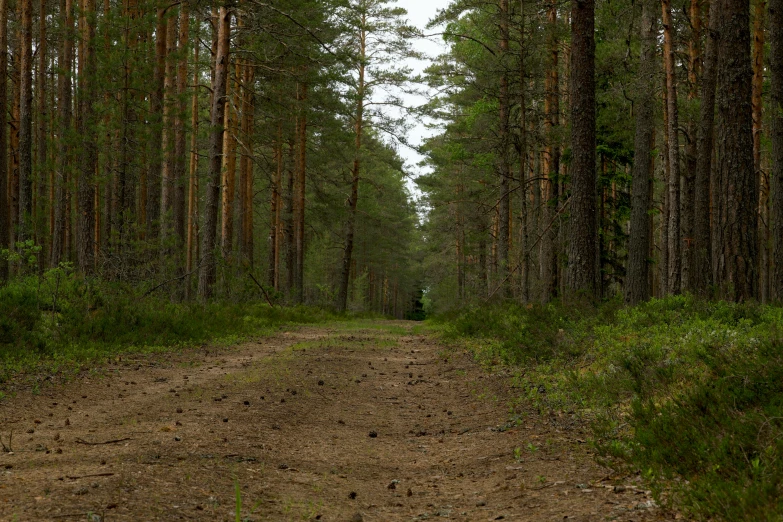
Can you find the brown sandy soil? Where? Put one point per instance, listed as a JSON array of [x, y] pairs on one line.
[[358, 421]]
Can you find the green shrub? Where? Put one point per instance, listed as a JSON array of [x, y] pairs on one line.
[[689, 392]]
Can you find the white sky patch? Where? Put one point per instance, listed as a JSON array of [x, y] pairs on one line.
[[419, 13]]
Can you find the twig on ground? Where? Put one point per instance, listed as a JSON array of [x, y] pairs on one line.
[[77, 477], [82, 441]]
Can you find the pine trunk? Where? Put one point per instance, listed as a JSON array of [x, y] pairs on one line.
[[583, 238], [207, 268], [637, 288], [737, 184], [672, 109]]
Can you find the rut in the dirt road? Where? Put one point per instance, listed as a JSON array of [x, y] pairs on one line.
[[357, 421]]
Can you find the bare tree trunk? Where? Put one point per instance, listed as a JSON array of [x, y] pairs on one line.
[[246, 165], [637, 288], [675, 260], [689, 176], [43, 171], [583, 236], [192, 183], [776, 70], [5, 225], [180, 137], [25, 228], [551, 161], [702, 227], [738, 201], [299, 219], [207, 270], [150, 210], [229, 175], [757, 105], [87, 162], [353, 200], [504, 206], [64, 122], [273, 269]]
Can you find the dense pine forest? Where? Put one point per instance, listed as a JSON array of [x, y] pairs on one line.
[[210, 148], [598, 212]]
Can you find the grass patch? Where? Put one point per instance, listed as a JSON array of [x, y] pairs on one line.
[[59, 323], [688, 392]]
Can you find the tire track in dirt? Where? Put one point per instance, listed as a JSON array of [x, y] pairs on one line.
[[354, 421]]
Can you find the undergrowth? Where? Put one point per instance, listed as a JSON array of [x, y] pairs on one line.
[[687, 392], [59, 321]]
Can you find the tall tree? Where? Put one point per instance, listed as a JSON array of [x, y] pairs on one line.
[[776, 91], [87, 150], [673, 133], [25, 204], [737, 184], [207, 268], [583, 235], [5, 224], [637, 286], [702, 227]]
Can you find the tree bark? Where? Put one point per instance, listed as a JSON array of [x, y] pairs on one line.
[[504, 202], [675, 260], [776, 111], [738, 186], [299, 219], [758, 124], [207, 268], [24, 221], [88, 154], [702, 226], [5, 225], [43, 171], [64, 123], [583, 238], [151, 191], [637, 288], [192, 179], [551, 161], [689, 176], [180, 136]]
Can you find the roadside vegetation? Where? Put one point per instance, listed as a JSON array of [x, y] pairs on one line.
[[689, 393], [61, 322]]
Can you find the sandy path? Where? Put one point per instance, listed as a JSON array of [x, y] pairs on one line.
[[360, 421]]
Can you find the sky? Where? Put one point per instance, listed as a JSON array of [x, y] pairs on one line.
[[419, 13]]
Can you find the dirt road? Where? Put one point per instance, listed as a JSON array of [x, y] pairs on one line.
[[358, 421]]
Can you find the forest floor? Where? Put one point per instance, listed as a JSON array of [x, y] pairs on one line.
[[367, 420]]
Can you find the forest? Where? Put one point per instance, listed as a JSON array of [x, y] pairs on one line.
[[598, 210]]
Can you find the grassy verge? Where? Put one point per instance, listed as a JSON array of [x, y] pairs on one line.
[[59, 324], [689, 393]]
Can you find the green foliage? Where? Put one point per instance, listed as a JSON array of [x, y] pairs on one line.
[[64, 318], [688, 392]]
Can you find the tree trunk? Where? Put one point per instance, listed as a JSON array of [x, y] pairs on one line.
[[229, 176], [702, 227], [757, 104], [25, 228], [88, 154], [207, 268], [5, 225], [637, 288], [192, 180], [738, 186], [675, 261], [776, 110], [64, 122], [43, 170], [299, 219], [151, 191], [273, 268], [689, 176], [353, 200], [246, 164], [180, 137], [504, 207], [551, 161], [583, 238]]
